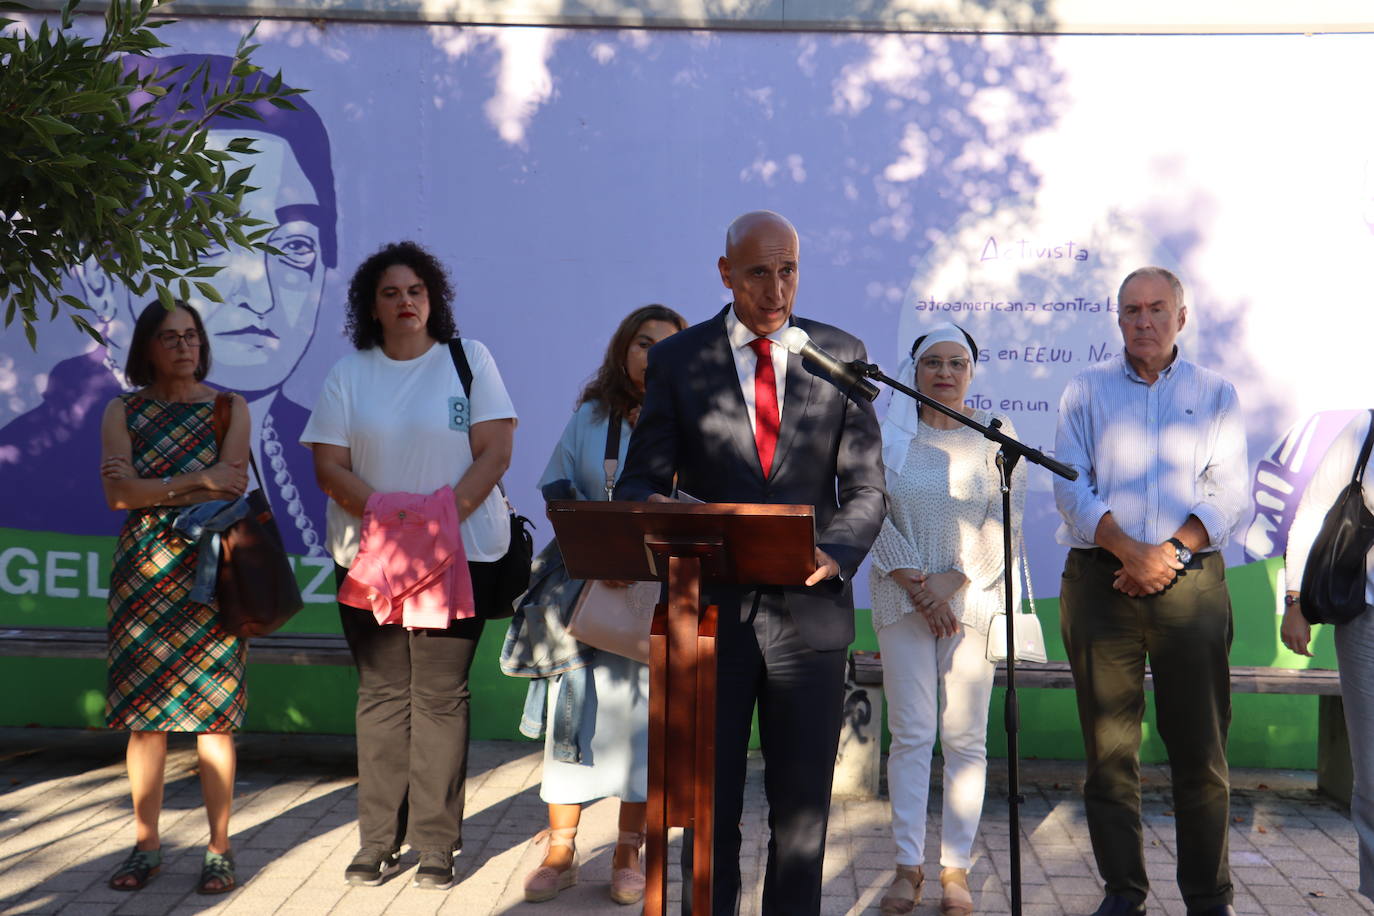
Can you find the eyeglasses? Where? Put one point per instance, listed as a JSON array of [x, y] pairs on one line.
[[170, 339], [935, 364]]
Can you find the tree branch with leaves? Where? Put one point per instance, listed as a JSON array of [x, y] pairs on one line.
[[107, 162]]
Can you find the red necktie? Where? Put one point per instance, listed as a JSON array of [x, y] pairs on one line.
[[766, 418]]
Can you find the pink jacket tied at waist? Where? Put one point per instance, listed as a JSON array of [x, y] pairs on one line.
[[411, 567]]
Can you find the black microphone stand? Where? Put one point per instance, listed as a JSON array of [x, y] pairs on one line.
[[1011, 451]]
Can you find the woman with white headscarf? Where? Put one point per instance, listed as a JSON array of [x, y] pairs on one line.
[[937, 581]]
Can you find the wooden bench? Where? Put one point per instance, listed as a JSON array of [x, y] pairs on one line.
[[89, 642], [868, 669], [1334, 776], [857, 765]]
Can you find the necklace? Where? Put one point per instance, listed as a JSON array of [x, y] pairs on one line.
[[281, 476]]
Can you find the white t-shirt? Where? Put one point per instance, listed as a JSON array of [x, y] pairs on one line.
[[405, 423]]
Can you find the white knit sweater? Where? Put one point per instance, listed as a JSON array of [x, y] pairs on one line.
[[945, 513]]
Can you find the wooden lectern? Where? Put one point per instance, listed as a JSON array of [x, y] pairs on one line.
[[685, 545]]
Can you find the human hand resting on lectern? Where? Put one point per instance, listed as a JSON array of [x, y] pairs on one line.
[[826, 568]]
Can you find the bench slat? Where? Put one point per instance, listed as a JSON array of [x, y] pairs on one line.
[[331, 649], [1055, 675], [89, 642]]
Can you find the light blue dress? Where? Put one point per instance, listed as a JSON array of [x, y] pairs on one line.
[[614, 733]]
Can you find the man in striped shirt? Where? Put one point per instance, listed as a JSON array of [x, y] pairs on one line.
[[1159, 446]]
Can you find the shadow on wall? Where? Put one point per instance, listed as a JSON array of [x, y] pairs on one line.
[[875, 145]]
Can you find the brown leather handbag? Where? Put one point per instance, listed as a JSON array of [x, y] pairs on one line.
[[256, 591]]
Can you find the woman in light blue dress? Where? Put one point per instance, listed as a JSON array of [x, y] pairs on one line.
[[612, 735]]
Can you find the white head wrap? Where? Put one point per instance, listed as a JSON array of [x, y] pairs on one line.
[[901, 423]]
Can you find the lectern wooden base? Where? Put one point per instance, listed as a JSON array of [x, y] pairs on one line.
[[684, 545], [682, 736]]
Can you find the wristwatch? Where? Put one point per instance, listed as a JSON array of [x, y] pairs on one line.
[[1290, 599], [1181, 551]]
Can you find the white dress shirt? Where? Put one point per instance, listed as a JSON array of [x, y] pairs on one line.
[[746, 360], [1152, 455]]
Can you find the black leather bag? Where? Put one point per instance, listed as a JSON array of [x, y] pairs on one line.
[[498, 584], [256, 590], [1334, 579]]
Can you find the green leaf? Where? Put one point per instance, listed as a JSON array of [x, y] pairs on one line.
[[209, 292], [44, 137], [53, 125], [89, 101], [85, 327]]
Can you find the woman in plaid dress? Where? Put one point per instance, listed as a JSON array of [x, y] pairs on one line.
[[172, 668]]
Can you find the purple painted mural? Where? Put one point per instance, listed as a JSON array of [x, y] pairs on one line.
[[566, 176]]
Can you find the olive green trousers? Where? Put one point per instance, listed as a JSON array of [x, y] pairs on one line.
[[1185, 634]]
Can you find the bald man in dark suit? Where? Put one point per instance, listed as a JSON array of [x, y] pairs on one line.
[[735, 418]]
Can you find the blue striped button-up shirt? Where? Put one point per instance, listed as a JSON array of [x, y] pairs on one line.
[[1152, 455]]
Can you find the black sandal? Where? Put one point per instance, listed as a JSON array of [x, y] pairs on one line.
[[217, 867], [141, 865]]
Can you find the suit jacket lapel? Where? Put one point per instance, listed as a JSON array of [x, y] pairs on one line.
[[795, 405], [735, 414]]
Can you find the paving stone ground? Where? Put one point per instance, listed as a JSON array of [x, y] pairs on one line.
[[65, 824]]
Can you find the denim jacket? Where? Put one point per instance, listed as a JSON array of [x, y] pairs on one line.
[[538, 646], [203, 523]]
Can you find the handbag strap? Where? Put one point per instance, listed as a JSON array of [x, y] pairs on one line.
[[460, 362], [224, 410], [1358, 476], [464, 369], [612, 459]]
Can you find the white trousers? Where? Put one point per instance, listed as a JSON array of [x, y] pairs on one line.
[[1355, 658], [933, 682]]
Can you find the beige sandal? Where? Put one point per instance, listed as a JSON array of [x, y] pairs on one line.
[[901, 898], [627, 884], [545, 882], [956, 899]]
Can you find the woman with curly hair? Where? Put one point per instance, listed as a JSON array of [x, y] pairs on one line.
[[609, 751], [393, 420]]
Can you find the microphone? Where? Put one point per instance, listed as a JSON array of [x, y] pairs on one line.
[[840, 374]]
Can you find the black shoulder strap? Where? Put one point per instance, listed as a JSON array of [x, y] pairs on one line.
[[612, 460], [460, 362], [1364, 451], [612, 435]]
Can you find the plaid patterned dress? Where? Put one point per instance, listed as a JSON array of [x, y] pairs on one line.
[[171, 666]]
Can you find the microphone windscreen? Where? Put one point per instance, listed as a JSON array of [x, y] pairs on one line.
[[794, 338]]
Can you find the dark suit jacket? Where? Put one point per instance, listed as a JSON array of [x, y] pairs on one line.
[[694, 424]]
